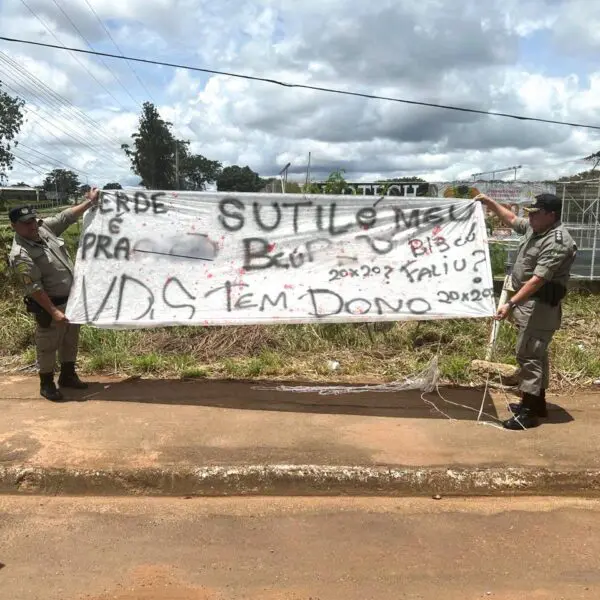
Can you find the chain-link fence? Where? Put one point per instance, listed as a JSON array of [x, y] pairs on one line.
[[581, 216]]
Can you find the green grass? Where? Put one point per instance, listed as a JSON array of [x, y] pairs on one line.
[[195, 373], [375, 353], [28, 356], [147, 363], [267, 363], [455, 368], [303, 351]]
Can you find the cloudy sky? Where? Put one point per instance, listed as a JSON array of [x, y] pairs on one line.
[[530, 57]]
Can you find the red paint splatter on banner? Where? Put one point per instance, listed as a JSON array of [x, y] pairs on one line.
[[288, 286], [271, 247], [209, 275], [242, 271], [436, 229]]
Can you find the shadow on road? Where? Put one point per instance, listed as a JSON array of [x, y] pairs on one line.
[[460, 404], [557, 415]]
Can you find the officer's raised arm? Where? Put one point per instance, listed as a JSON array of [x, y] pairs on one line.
[[507, 216], [91, 199], [59, 223]]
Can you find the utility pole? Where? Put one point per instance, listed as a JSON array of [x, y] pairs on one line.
[[283, 176], [307, 173], [176, 165]]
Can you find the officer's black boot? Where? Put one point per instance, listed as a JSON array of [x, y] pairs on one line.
[[542, 409], [539, 406], [69, 379], [48, 388], [515, 407], [527, 417]]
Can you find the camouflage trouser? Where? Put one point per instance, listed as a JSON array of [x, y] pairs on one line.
[[63, 339], [532, 357]]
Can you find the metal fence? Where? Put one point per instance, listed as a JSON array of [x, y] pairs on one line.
[[581, 216]]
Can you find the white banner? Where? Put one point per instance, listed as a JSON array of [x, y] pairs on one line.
[[513, 195], [151, 258]]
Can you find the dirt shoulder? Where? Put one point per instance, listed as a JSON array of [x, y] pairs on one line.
[[155, 429]]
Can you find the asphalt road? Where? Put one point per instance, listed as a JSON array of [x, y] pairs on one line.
[[298, 549]]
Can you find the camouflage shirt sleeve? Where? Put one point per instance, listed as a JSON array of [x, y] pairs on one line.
[[552, 255], [60, 222], [27, 272], [521, 225]]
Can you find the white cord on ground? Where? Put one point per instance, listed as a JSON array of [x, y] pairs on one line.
[[427, 381]]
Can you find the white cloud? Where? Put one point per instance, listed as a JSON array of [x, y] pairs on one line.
[[442, 51]]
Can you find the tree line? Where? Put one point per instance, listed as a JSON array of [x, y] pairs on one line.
[[162, 161]]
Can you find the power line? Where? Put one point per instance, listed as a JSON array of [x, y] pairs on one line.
[[91, 48], [53, 98], [555, 164], [70, 124], [119, 50], [29, 164], [309, 87], [69, 131], [41, 140], [21, 145], [35, 116], [64, 47]]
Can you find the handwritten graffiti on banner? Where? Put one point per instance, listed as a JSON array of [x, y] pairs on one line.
[[152, 258]]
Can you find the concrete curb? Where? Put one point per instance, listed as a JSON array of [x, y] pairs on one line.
[[300, 480]]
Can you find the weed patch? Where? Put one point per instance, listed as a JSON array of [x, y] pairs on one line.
[[377, 352]]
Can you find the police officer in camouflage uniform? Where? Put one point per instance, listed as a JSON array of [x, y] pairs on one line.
[[39, 258], [539, 282]]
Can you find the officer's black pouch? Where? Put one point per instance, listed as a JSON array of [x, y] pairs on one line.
[[560, 291], [551, 293], [42, 316]]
